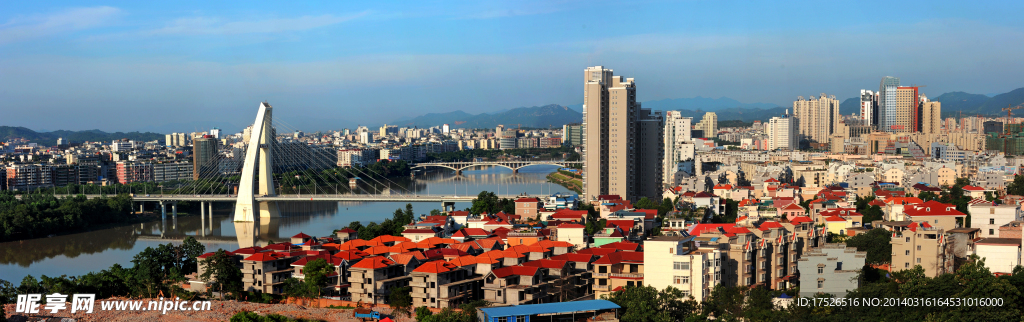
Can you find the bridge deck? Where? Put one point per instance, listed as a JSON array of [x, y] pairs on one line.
[[318, 197]]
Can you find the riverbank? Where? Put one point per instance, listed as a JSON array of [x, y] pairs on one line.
[[568, 182]]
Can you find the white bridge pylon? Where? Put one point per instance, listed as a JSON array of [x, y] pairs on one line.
[[258, 154]]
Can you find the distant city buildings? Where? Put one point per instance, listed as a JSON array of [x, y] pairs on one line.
[[817, 118], [782, 133], [708, 125]]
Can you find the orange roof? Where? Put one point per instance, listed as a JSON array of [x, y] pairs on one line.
[[769, 225], [265, 256], [801, 219], [904, 200], [834, 218], [377, 250], [351, 255], [723, 186], [374, 262], [390, 239], [464, 260], [515, 270], [435, 267], [546, 263]]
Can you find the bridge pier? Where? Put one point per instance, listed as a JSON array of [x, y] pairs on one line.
[[163, 210], [516, 170], [448, 204], [142, 207]]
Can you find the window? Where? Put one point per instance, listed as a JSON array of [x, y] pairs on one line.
[[686, 293], [821, 284], [718, 262], [501, 319], [919, 260], [604, 269], [991, 221], [907, 252], [821, 270], [520, 319], [906, 265], [991, 231], [681, 265], [908, 239], [681, 280], [671, 250], [918, 247], [839, 266]]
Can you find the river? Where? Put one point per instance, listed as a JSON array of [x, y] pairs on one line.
[[77, 254]]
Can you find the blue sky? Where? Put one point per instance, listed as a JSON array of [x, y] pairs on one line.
[[166, 66]]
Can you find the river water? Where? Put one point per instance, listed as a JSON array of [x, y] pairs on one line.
[[77, 254]]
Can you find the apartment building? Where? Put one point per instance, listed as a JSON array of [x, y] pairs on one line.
[[989, 216], [440, 284], [265, 272], [514, 285], [936, 214], [766, 254], [618, 269], [924, 246], [373, 278], [677, 261], [817, 118], [622, 143], [830, 269]]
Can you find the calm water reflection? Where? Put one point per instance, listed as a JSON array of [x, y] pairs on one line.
[[81, 253]]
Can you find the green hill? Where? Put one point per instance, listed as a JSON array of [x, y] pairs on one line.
[[995, 105], [50, 138], [960, 101]]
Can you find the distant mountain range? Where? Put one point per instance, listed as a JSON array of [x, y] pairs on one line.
[[50, 138], [552, 115]]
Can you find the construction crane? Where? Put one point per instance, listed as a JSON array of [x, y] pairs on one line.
[[1009, 113]]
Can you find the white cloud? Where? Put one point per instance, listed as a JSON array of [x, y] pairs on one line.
[[22, 28], [216, 26]]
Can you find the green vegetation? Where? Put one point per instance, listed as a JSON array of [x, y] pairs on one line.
[[972, 281], [155, 270], [540, 153], [871, 213], [488, 203], [400, 300], [246, 316], [39, 215], [571, 183], [50, 138], [315, 280], [468, 313], [392, 226], [734, 123], [876, 243]]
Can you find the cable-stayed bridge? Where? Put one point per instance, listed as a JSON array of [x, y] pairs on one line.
[[277, 169]]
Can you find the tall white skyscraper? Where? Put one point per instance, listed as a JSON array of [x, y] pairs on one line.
[[868, 105], [888, 116], [782, 133], [678, 144]]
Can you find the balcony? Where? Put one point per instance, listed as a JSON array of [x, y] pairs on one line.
[[600, 275], [418, 284], [602, 287], [628, 275]]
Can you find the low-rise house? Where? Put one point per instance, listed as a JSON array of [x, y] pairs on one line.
[[927, 247], [265, 272], [937, 214], [1001, 255], [989, 216], [618, 269], [830, 269], [514, 285]]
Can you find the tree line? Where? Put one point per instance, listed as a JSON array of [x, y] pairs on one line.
[[725, 303], [154, 271], [40, 215]]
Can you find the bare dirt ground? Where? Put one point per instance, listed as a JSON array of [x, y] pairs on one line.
[[221, 311]]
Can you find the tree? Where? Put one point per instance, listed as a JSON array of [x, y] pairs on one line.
[[927, 195], [741, 179], [222, 274], [400, 299], [640, 304], [722, 178], [1016, 187], [645, 203], [724, 303], [708, 184], [872, 213], [876, 243], [315, 279], [192, 249]]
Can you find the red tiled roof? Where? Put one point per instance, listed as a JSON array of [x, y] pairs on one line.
[[527, 200], [567, 226], [769, 225], [351, 255], [464, 260], [597, 251], [460, 213], [435, 267], [933, 208], [741, 219], [266, 256], [574, 257], [621, 257], [547, 263], [834, 218], [569, 214], [903, 200], [801, 219], [723, 186], [374, 262], [419, 231], [301, 235], [973, 188], [621, 223], [348, 230], [793, 206], [515, 270]]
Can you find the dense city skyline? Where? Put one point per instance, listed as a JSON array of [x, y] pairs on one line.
[[80, 64]]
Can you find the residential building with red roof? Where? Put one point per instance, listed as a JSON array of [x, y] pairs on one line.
[[937, 214], [924, 246], [528, 207], [445, 284], [618, 269], [571, 233], [346, 234], [265, 272], [515, 285], [373, 278]]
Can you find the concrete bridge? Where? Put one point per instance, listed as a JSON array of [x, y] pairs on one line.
[[512, 165]]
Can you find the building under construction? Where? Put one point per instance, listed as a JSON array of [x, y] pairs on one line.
[[1010, 141]]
